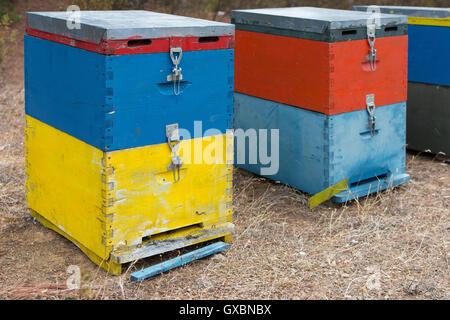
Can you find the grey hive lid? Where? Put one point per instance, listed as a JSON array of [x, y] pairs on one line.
[[310, 19], [422, 12], [119, 25]]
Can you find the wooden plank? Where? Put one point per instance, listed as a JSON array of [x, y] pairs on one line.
[[179, 261], [428, 54], [328, 193], [445, 22], [173, 240], [374, 185], [428, 118]]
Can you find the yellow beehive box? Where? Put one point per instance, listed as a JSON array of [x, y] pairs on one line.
[[124, 205]]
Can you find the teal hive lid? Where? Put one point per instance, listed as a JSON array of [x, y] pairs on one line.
[[422, 12]]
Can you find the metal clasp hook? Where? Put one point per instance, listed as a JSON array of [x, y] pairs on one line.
[[370, 106], [173, 139], [176, 54], [372, 57]]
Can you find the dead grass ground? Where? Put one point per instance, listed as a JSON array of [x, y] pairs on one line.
[[281, 249]]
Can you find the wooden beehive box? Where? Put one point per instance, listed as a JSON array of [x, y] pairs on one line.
[[317, 151], [103, 103], [340, 114], [318, 59], [428, 112]]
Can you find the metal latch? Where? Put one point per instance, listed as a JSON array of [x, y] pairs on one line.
[[173, 139], [372, 57], [176, 76], [370, 105]]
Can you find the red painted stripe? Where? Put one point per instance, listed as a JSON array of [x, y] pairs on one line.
[[137, 45]]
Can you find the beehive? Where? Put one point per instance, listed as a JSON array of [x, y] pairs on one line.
[[428, 119], [340, 115], [103, 104], [317, 59]]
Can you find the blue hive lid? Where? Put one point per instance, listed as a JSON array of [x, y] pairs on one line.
[[96, 26]]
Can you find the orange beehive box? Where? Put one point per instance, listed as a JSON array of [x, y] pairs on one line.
[[319, 59]]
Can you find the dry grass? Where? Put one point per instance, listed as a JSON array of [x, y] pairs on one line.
[[281, 249]]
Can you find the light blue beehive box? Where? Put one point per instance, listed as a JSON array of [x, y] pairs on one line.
[[317, 151]]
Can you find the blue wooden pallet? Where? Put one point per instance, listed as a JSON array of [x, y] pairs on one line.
[[317, 151], [179, 261], [118, 102], [428, 54]]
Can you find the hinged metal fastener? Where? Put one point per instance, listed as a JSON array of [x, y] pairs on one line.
[[372, 57], [176, 76], [173, 139], [370, 105]]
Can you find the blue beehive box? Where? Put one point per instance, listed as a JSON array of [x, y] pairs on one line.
[[429, 42], [428, 114], [317, 151], [110, 82]]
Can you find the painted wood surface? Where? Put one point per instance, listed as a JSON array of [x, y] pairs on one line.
[[336, 35], [438, 22], [429, 42], [139, 46], [328, 193], [428, 118], [179, 261], [330, 78], [95, 26], [119, 102], [321, 24], [429, 48], [115, 202], [317, 151]]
